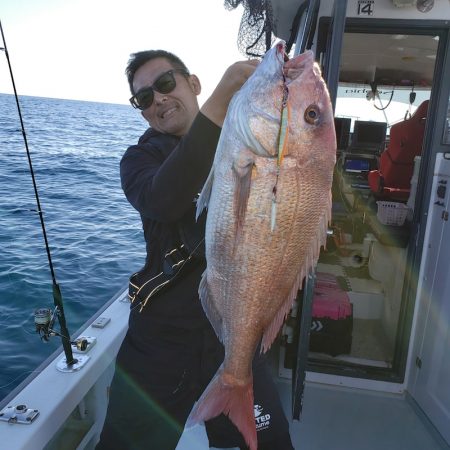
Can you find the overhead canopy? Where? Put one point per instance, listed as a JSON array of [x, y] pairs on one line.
[[284, 12]]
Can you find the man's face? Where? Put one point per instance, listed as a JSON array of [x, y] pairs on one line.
[[171, 113]]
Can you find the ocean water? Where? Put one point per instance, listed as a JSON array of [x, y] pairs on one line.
[[94, 235]]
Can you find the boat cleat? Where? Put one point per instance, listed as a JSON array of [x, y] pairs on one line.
[[18, 414]]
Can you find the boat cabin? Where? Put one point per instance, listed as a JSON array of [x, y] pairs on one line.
[[363, 360], [377, 309]]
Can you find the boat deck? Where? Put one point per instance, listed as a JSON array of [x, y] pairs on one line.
[[339, 418], [334, 417]]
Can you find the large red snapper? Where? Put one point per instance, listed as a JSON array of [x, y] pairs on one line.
[[269, 203]]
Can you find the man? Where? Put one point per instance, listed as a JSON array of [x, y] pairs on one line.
[[170, 351]]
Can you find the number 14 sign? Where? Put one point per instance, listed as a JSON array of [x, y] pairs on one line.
[[365, 7]]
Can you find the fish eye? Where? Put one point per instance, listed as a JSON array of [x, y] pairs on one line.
[[312, 114]]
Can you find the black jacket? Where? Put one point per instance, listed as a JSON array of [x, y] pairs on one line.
[[161, 177]]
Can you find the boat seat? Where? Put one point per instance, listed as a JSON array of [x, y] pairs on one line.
[[391, 181]]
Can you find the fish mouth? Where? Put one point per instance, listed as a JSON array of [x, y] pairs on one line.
[[281, 51], [296, 64], [295, 67]]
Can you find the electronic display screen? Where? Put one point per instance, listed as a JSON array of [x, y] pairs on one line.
[[356, 165], [369, 135]]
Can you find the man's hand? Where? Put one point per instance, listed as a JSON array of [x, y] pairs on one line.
[[215, 107]]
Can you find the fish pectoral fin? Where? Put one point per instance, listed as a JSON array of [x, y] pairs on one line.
[[209, 307], [205, 194], [242, 172], [271, 331]]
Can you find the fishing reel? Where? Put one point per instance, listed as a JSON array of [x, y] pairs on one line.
[[44, 320]]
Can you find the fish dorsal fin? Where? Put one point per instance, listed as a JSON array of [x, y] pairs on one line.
[[270, 333], [312, 256]]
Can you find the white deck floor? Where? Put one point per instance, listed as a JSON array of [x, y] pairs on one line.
[[336, 418]]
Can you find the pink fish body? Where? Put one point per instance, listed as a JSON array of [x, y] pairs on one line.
[[269, 204]]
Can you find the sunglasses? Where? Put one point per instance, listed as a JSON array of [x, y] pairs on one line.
[[164, 84]]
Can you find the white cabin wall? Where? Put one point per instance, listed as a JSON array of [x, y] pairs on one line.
[[284, 12], [385, 9], [429, 363]]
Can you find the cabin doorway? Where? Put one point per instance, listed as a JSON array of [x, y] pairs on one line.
[[363, 278], [380, 122]]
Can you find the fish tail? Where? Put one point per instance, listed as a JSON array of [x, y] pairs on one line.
[[226, 395]]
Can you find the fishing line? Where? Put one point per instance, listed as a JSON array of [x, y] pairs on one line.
[[57, 297], [20, 376], [22, 126]]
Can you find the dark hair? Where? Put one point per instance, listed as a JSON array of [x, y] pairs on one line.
[[140, 58]]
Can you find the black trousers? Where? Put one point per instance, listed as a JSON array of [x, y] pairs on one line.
[[157, 382]]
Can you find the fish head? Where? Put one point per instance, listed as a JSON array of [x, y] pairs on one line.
[[311, 135], [255, 109], [278, 83]]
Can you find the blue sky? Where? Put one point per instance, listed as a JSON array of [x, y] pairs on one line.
[[78, 49]]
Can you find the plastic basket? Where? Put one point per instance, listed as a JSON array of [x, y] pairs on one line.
[[392, 213]]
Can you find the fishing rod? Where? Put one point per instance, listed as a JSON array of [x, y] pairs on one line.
[[43, 317]]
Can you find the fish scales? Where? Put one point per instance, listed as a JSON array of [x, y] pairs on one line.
[[257, 255]]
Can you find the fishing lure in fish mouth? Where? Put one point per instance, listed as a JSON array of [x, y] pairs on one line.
[[282, 145]]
